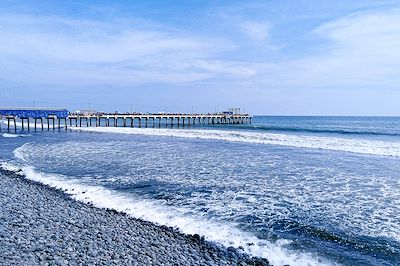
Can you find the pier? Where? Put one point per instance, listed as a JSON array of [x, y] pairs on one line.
[[130, 120], [61, 118]]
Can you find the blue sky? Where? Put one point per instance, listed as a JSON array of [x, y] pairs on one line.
[[267, 57]]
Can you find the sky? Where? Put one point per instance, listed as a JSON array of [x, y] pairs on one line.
[[279, 57]]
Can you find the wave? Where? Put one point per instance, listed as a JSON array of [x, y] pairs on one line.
[[377, 245], [363, 146], [8, 135], [330, 131], [158, 212]]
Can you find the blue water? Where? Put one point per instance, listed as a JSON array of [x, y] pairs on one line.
[[297, 190]]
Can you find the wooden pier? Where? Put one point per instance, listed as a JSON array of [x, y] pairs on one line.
[[62, 119], [130, 120]]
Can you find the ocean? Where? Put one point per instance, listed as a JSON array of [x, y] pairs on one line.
[[294, 190]]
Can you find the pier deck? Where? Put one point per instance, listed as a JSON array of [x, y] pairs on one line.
[[157, 119]]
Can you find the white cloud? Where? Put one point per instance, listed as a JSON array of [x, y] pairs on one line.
[[357, 54], [258, 31], [54, 49], [364, 51], [89, 41], [359, 51]]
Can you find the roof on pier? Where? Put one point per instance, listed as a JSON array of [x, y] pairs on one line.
[[32, 112]]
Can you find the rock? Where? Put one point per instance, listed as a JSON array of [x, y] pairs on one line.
[[61, 231]]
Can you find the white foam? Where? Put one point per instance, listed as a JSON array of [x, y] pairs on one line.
[[159, 213], [363, 146], [19, 152], [10, 167], [8, 135]]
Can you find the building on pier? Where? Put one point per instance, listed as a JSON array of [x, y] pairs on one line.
[[33, 112], [87, 112], [25, 114]]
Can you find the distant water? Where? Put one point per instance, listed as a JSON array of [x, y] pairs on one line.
[[295, 190]]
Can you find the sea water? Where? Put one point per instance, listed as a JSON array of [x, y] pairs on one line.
[[295, 190]]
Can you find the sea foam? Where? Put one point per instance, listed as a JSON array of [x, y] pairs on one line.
[[157, 212], [363, 146], [8, 135]]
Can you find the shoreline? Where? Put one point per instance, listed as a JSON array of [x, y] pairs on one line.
[[43, 225]]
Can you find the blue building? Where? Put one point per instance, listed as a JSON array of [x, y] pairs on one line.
[[34, 112]]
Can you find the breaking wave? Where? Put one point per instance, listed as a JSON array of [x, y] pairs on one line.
[[363, 146], [157, 212], [8, 135], [329, 131]]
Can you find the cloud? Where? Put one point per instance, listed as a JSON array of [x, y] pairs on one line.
[[358, 51], [91, 43], [258, 31], [351, 56], [55, 49], [363, 50]]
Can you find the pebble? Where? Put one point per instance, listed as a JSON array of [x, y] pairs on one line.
[[43, 226]]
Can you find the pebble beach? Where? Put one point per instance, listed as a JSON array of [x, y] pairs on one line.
[[203, 196], [44, 226]]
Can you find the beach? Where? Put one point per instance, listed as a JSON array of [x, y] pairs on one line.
[[290, 190], [44, 226]]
